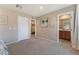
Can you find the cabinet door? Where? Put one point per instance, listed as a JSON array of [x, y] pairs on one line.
[[63, 34], [68, 35]]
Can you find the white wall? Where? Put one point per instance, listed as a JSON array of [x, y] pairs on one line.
[[5, 33], [51, 31]]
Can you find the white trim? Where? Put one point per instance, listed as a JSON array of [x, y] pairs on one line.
[[12, 42], [35, 28], [30, 27], [72, 25], [72, 14], [58, 28]]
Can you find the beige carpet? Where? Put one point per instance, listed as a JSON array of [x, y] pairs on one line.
[[37, 46]]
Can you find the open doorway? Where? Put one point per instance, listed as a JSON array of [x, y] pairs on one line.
[[33, 27], [65, 27]]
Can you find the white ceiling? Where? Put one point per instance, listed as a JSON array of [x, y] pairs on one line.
[[34, 9]]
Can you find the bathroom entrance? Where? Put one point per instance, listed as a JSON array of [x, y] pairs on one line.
[[65, 27]]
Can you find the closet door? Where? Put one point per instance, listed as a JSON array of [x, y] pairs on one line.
[[23, 28]]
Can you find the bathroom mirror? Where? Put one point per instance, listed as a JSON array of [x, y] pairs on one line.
[[65, 21]]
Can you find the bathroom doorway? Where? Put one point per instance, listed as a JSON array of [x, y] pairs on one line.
[[65, 27]]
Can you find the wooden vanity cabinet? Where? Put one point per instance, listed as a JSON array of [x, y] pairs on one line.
[[65, 35]]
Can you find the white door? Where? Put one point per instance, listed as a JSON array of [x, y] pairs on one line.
[[23, 28]]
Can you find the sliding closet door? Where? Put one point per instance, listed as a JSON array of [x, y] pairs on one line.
[[23, 28]]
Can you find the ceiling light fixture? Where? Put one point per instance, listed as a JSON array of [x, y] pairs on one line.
[[41, 7], [18, 6]]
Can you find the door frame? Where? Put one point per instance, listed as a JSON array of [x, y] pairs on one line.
[[72, 25], [35, 26]]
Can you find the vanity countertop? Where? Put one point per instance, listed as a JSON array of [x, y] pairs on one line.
[[63, 30]]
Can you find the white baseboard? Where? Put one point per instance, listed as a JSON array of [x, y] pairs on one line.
[[12, 42]]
